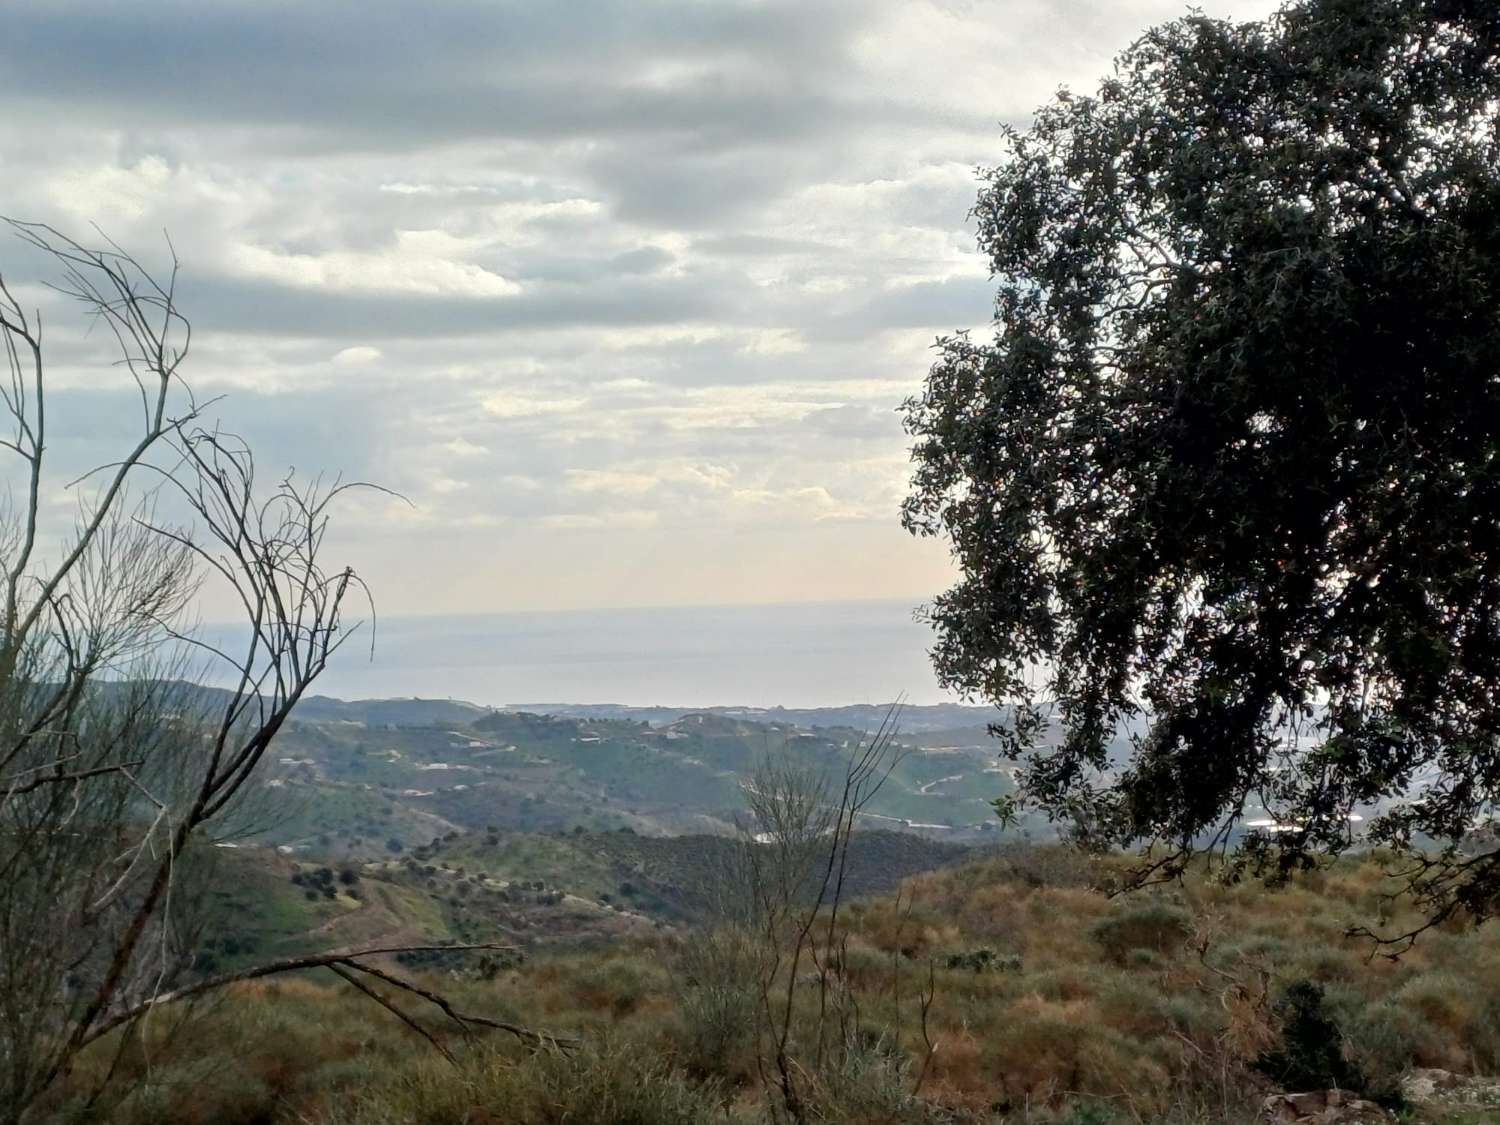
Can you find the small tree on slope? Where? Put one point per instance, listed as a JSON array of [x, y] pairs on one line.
[[115, 775]]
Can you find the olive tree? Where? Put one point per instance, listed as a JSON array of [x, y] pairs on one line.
[[1224, 486]]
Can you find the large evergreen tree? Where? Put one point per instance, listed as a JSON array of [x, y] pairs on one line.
[[1229, 472]]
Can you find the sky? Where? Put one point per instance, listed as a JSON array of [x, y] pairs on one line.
[[621, 297]]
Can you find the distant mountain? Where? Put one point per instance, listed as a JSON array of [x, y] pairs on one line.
[[416, 712], [401, 712], [388, 712]]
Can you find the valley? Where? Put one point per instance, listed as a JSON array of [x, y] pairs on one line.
[[365, 780]]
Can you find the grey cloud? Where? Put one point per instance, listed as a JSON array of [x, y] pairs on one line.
[[690, 112], [756, 245], [549, 265], [944, 306], [647, 259], [240, 305], [732, 227], [665, 185], [394, 73]]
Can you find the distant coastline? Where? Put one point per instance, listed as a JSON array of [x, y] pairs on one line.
[[809, 655]]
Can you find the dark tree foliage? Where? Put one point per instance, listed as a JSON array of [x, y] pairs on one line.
[[1226, 482], [1310, 1055]]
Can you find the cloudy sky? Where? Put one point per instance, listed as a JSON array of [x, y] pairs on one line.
[[622, 296]]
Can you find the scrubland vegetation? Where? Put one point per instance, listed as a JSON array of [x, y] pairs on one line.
[[1046, 999]]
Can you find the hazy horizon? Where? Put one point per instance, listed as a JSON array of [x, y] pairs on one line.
[[821, 654]]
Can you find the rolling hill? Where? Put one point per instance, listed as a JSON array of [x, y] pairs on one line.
[[364, 780], [528, 889]]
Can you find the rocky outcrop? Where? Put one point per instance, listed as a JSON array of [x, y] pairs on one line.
[[1442, 1089], [1323, 1107]]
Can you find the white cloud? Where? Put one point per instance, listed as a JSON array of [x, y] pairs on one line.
[[462, 447], [415, 266], [665, 273], [358, 356], [613, 483], [504, 404], [634, 519], [657, 336], [775, 341]]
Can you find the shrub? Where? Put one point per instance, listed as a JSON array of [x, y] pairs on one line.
[[1310, 1055], [1155, 925], [1383, 1041], [1051, 865], [870, 1081], [718, 1003], [985, 961], [619, 985], [224, 1097], [610, 1085]]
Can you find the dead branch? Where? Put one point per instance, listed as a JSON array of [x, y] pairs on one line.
[[342, 963]]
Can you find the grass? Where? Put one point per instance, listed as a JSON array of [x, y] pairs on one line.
[[1051, 1002]]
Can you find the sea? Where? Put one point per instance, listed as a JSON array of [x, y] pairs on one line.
[[821, 654]]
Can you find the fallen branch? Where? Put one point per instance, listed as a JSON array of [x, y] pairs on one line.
[[463, 1019], [395, 1011], [341, 963]]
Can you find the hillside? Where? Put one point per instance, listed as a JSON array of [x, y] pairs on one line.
[[914, 719], [1011, 988], [531, 889], [339, 786]]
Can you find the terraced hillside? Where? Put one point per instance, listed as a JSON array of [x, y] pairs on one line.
[[529, 889], [345, 787]]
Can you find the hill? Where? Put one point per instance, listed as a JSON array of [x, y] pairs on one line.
[[1012, 988], [531, 889], [914, 719], [340, 787]]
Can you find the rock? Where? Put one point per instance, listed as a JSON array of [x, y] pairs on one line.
[[1431, 1086], [1423, 1084], [1323, 1107]]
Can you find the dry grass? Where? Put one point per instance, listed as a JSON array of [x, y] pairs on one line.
[[1053, 1002]]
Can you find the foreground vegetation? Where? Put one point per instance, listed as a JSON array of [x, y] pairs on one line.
[[1014, 988]]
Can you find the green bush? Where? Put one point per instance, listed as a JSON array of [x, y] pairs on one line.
[[1383, 1040], [985, 961], [614, 1084], [1310, 1055], [718, 1004], [1089, 1113], [1155, 925]]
